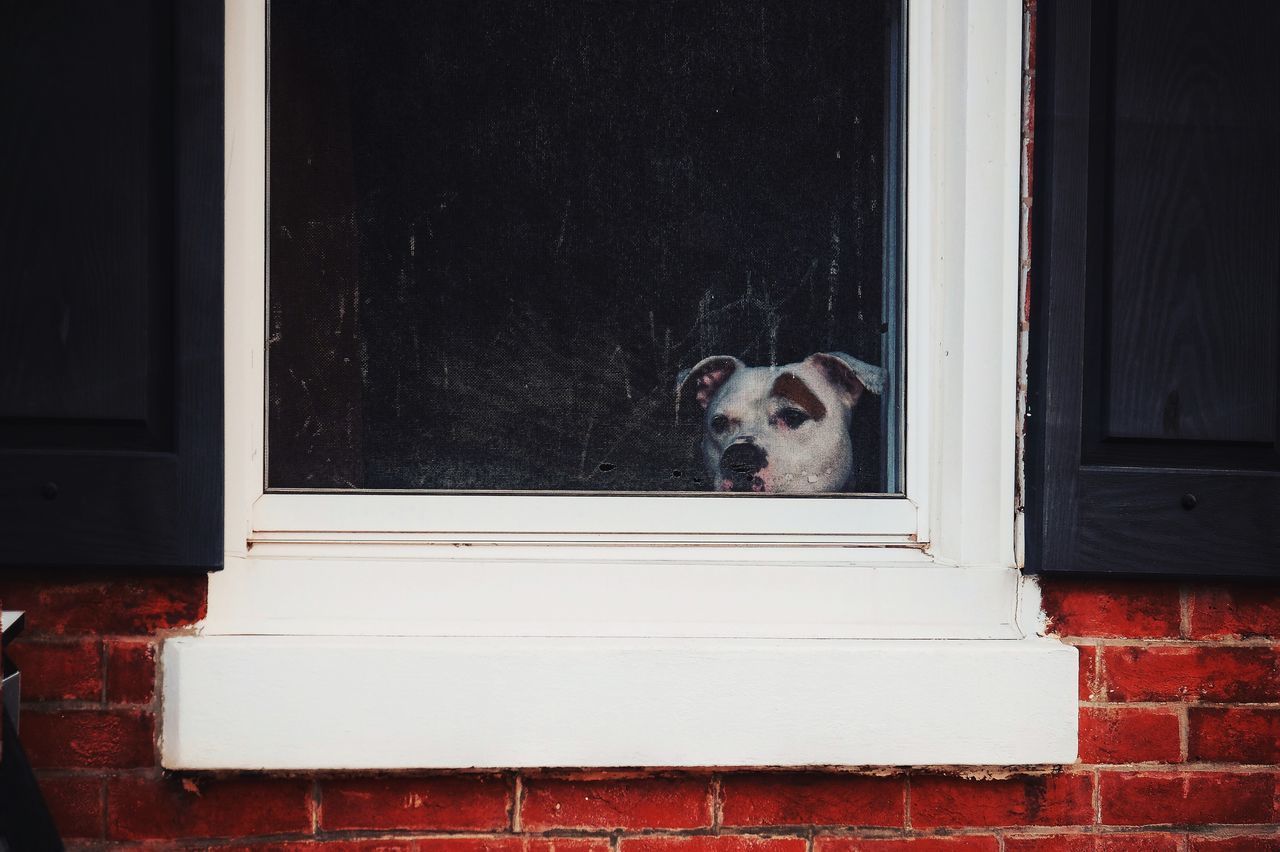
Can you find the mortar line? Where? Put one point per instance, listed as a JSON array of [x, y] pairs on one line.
[[1097, 798], [717, 803], [1184, 610], [517, 803]]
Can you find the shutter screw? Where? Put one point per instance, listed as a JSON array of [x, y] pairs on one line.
[[1189, 501], [49, 490]]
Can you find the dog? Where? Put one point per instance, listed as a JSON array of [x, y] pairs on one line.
[[782, 430]]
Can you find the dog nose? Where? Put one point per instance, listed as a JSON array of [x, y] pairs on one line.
[[740, 463]]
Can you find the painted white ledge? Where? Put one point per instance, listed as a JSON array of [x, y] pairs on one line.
[[395, 589], [297, 702]]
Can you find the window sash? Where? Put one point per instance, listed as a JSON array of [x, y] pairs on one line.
[[961, 348], [566, 517]]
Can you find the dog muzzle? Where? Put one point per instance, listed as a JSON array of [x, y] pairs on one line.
[[740, 467]]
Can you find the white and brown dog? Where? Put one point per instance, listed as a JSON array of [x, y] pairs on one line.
[[782, 429]]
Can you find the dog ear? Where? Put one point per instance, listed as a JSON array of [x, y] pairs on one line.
[[706, 376], [849, 374]]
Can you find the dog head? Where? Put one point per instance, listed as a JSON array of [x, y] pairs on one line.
[[779, 429]]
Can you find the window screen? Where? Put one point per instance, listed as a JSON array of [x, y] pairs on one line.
[[585, 246]]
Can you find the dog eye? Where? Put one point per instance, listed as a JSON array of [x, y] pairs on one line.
[[719, 423], [793, 417]]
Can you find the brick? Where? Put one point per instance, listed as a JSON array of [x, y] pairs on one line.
[[967, 843], [1139, 843], [396, 844], [1093, 843], [59, 670], [131, 671], [1187, 798], [1050, 843], [717, 843], [1234, 611], [1129, 735], [1178, 673], [812, 799], [655, 802], [1233, 734], [1021, 800], [564, 844], [174, 807], [440, 803], [1103, 608], [382, 844], [1089, 689], [75, 801], [119, 605], [508, 843], [1239, 843], [78, 739], [513, 844]]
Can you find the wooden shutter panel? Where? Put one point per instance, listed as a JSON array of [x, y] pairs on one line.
[[1153, 443], [111, 262]]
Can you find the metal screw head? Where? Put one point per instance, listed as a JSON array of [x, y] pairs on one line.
[[1189, 501]]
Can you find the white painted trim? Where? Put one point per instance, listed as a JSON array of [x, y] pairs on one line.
[[576, 591], [968, 100], [921, 182], [244, 265], [236, 702], [569, 517]]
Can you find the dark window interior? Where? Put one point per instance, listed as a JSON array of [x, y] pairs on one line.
[[498, 230]]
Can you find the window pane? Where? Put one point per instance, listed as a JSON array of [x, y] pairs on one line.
[[501, 231]]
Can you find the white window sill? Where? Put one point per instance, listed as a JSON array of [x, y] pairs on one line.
[[312, 702], [458, 657]]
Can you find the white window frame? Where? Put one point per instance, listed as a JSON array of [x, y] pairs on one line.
[[558, 597]]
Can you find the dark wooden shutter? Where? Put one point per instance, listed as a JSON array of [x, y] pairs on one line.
[[111, 263], [1154, 444]]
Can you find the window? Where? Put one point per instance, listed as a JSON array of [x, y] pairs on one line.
[[763, 617], [575, 249]]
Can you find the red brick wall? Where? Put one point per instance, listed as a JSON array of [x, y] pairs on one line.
[[1180, 736]]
